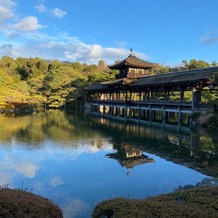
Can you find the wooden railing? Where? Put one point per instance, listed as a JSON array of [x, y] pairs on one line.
[[140, 104]]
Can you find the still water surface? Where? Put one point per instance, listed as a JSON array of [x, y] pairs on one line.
[[78, 161]]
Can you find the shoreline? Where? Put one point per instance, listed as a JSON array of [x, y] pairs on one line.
[[200, 200]]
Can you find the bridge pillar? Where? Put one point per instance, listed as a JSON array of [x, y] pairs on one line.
[[118, 111], [124, 112], [110, 109], [164, 117], [153, 115], [179, 120], [196, 98], [103, 109], [114, 111], [130, 112], [139, 113], [147, 114], [150, 115], [121, 112], [142, 114]]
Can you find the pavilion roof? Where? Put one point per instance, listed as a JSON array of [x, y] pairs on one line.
[[132, 61]]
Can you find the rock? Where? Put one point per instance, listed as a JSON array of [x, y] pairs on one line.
[[200, 184], [188, 186], [211, 182]]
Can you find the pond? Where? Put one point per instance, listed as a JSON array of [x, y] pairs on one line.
[[78, 160]]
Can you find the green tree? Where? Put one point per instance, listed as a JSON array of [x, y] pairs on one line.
[[162, 69], [214, 64], [194, 64]]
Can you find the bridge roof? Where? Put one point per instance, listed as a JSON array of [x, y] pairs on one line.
[[190, 76], [184, 78], [104, 85]]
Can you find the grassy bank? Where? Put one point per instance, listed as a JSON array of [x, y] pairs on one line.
[[194, 202], [22, 204]]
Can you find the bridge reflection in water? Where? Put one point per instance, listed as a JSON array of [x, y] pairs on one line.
[[196, 149], [177, 113]]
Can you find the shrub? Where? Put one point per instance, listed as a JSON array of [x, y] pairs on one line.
[[19, 204]]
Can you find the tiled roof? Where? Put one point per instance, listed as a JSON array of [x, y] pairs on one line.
[[96, 86], [103, 85], [189, 76], [132, 61], [175, 78]]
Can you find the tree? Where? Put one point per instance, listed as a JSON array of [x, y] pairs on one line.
[[8, 62], [214, 64], [102, 65], [162, 69], [194, 64]]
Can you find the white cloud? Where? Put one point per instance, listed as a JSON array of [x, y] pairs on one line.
[[41, 8], [56, 12], [5, 179], [7, 50], [6, 10], [96, 51], [74, 207], [209, 38], [5, 13], [65, 48], [56, 181], [26, 169], [13, 26], [8, 3], [27, 24]]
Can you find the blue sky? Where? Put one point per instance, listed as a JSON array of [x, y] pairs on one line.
[[159, 31]]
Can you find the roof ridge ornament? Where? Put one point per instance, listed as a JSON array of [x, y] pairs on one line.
[[131, 50]]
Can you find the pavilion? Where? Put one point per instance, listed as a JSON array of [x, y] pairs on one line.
[[139, 85]]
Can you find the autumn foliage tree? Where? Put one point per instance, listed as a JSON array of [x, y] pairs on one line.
[[53, 84]]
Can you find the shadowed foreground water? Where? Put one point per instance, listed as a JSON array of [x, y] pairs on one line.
[[78, 161]]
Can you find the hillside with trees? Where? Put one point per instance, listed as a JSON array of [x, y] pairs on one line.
[[50, 84], [34, 82]]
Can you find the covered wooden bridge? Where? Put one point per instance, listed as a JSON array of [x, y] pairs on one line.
[[140, 89]]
